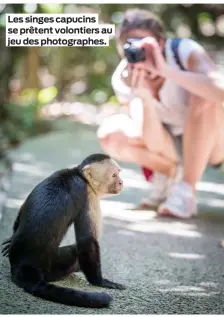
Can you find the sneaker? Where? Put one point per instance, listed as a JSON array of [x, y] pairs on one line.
[[181, 202], [160, 187]]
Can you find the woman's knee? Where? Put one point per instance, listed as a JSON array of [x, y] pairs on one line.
[[119, 123], [105, 142], [113, 143]]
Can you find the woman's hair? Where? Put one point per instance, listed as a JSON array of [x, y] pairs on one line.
[[140, 19]]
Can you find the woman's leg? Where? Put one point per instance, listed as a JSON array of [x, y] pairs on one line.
[[203, 144], [121, 138]]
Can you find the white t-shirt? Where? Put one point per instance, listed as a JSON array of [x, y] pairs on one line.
[[171, 109]]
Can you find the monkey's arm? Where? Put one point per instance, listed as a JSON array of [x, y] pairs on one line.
[[89, 251], [7, 242]]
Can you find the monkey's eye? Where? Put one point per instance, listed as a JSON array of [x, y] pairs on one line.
[[114, 175]]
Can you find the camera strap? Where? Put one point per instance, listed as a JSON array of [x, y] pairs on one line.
[[175, 42]]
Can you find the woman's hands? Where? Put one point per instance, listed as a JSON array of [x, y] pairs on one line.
[[155, 62], [144, 77], [138, 81]]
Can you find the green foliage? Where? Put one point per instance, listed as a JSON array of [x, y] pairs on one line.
[[204, 17], [19, 122], [39, 96], [49, 8], [28, 96], [47, 95]]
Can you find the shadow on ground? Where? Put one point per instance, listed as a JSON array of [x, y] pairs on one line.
[[168, 266]]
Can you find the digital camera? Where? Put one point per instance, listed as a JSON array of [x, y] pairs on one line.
[[132, 53]]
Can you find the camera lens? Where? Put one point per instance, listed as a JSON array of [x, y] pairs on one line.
[[133, 55]]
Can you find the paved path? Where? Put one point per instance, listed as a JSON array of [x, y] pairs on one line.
[[168, 266]]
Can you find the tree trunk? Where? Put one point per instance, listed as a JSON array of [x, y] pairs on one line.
[[32, 64]]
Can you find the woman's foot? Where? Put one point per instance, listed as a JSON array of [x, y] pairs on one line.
[[159, 191], [181, 202], [160, 184]]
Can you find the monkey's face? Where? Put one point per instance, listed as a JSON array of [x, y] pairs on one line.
[[115, 183], [104, 177]]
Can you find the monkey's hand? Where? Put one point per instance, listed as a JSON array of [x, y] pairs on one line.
[[108, 284], [5, 249]]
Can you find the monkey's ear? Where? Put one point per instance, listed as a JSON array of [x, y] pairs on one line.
[[87, 170], [86, 167]]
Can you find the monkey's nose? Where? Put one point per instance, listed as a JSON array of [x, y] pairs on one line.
[[120, 183]]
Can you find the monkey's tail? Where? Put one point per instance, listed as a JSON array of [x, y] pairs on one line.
[[69, 296], [34, 283]]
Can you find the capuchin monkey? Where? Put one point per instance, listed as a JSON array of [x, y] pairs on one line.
[[67, 197]]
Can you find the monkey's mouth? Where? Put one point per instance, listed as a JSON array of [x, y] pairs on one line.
[[115, 191], [119, 189]]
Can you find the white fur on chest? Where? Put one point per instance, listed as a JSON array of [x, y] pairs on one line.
[[95, 213]]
